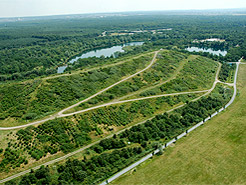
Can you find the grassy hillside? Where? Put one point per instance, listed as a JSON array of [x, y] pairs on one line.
[[213, 154]]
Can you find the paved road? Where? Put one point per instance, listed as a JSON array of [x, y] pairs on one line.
[[178, 137], [85, 147], [76, 151], [234, 84]]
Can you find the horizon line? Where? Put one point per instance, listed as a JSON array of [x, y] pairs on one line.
[[118, 12]]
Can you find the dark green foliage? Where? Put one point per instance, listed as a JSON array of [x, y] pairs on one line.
[[197, 74], [161, 127], [16, 98], [11, 158], [27, 101], [108, 144], [40, 176], [97, 168], [227, 70]]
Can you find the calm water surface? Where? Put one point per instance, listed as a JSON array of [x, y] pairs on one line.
[[107, 52], [209, 50]]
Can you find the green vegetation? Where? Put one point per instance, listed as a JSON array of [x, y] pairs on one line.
[[29, 51], [32, 49], [114, 154], [67, 134], [213, 154], [167, 65], [198, 74], [227, 72], [33, 100]]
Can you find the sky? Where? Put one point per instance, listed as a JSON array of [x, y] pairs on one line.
[[22, 8]]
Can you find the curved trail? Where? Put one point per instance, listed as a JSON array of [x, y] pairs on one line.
[[109, 87], [87, 146], [126, 101], [60, 114], [132, 166]]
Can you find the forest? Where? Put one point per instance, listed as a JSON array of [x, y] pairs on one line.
[[29, 51], [30, 89]]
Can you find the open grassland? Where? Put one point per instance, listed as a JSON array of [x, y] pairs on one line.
[[213, 154]]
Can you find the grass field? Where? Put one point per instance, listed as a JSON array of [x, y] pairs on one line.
[[213, 154]]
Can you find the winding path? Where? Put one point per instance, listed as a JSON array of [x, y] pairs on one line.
[[61, 113], [109, 87], [85, 147], [132, 166]]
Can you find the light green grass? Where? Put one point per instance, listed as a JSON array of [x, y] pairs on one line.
[[213, 154]]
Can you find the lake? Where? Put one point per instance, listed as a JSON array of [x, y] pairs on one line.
[[107, 52], [209, 50]]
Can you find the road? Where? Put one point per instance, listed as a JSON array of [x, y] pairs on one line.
[[76, 151], [234, 84], [115, 176], [124, 101], [85, 147]]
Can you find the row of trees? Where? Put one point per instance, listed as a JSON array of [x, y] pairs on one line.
[[68, 134], [116, 153]]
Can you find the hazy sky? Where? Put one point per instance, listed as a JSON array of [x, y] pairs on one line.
[[18, 8]]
